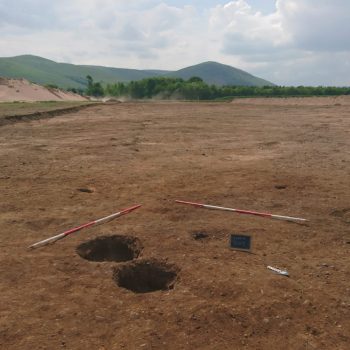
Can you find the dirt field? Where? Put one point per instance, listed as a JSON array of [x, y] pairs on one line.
[[61, 172]]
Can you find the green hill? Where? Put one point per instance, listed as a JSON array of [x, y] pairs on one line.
[[43, 71], [220, 74]]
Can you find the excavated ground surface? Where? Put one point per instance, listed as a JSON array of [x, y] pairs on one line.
[[287, 159]]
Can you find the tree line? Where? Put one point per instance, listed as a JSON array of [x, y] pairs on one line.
[[196, 89]]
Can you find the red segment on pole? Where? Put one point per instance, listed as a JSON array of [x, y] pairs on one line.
[[191, 203], [75, 229], [128, 210], [252, 213]]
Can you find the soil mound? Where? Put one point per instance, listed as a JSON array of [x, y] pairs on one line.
[[22, 90]]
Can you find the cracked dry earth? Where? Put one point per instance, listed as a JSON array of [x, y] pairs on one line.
[[174, 283]]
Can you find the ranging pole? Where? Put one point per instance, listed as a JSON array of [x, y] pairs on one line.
[[240, 211], [75, 229]]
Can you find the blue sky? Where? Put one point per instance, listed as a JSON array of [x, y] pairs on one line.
[[289, 42]]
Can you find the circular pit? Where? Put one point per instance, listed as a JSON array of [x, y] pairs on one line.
[[144, 276], [110, 248]]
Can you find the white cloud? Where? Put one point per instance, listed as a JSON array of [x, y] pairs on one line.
[[244, 31], [320, 25], [293, 45], [301, 42]]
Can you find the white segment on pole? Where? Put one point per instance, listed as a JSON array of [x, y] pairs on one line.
[[287, 218], [107, 218], [278, 217], [48, 241]]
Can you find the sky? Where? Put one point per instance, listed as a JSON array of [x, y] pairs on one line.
[[288, 42]]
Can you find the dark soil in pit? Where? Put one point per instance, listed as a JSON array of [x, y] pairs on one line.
[[343, 214], [146, 276], [281, 187], [198, 236], [110, 248], [86, 190]]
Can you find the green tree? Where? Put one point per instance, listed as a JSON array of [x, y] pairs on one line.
[[94, 89], [195, 80]]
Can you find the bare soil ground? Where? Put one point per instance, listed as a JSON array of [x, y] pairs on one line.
[[61, 172]]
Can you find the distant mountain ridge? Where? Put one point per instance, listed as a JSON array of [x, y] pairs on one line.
[[65, 75], [220, 74]]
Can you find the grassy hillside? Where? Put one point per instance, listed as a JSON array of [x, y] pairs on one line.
[[43, 71], [220, 74]]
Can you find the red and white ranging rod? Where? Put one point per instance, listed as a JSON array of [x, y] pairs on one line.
[[92, 223], [240, 211]]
